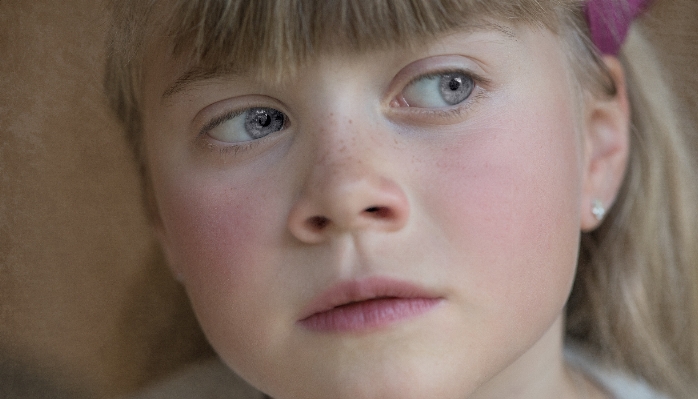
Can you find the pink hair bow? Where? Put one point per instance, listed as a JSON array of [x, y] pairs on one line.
[[609, 21]]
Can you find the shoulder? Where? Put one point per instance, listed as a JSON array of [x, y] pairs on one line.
[[617, 383], [210, 379]]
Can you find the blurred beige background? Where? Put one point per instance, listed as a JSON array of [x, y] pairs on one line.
[[87, 309], [86, 306]]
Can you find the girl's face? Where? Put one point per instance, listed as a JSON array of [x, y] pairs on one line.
[[397, 224]]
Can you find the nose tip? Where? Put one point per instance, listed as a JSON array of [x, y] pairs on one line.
[[378, 207]]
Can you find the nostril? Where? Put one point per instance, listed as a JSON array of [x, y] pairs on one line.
[[379, 212], [318, 222]]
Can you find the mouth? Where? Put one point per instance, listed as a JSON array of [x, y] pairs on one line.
[[364, 305]]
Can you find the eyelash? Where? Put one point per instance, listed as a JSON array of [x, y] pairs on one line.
[[219, 120], [228, 149]]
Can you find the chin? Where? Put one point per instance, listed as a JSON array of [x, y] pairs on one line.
[[381, 380]]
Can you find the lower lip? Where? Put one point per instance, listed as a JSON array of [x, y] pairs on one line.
[[368, 315]]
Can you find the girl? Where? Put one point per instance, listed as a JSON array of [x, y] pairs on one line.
[[418, 199]]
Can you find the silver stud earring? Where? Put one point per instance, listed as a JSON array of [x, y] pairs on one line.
[[598, 209]]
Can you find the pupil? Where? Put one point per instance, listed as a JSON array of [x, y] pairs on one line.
[[260, 122], [456, 87], [454, 84], [263, 120]]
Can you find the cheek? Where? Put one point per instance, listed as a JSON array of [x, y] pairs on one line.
[[214, 238], [508, 200], [202, 231]]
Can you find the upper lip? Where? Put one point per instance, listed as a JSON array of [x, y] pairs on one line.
[[350, 291]]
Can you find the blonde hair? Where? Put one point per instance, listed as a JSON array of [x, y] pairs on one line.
[[635, 299]]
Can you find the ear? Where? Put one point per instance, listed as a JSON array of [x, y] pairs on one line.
[[606, 146]]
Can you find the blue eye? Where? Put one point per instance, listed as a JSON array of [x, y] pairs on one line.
[[250, 124], [439, 90]]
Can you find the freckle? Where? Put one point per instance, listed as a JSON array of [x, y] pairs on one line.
[[350, 121]]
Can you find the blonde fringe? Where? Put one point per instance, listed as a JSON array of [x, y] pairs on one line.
[[260, 36]]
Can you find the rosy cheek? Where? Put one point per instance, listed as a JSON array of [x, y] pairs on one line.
[[224, 235], [512, 194], [214, 233]]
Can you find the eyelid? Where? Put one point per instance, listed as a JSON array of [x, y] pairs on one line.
[[235, 103], [216, 114], [219, 112], [435, 66], [219, 120], [440, 116], [480, 83], [439, 72]]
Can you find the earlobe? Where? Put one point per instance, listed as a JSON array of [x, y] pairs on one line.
[[607, 142]]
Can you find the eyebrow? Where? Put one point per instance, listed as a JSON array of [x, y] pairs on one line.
[[505, 30], [198, 74]]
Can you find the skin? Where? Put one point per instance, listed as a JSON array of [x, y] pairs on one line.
[[482, 207]]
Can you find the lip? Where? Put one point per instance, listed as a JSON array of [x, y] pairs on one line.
[[368, 304]]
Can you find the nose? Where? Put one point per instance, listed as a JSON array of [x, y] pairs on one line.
[[348, 191]]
